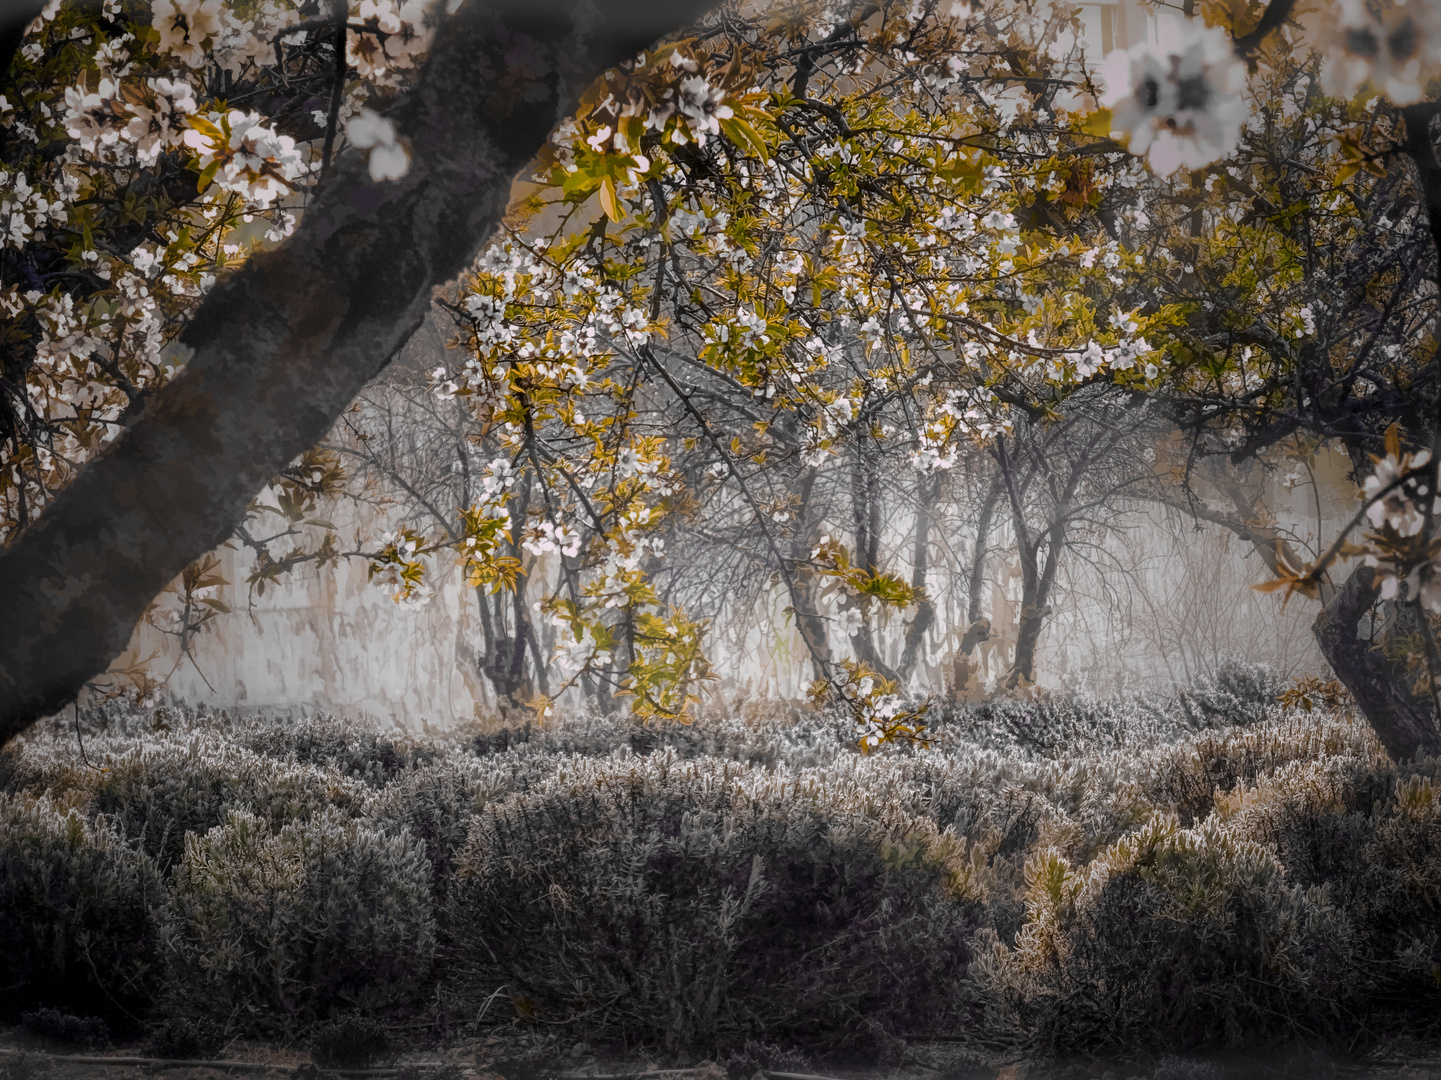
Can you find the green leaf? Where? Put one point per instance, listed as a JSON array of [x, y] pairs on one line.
[[742, 134], [207, 175]]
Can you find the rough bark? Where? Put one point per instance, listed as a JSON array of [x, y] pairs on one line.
[[1036, 586], [866, 510], [809, 622], [1404, 721], [282, 347], [927, 492], [978, 557]]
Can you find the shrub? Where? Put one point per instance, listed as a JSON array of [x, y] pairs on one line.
[[161, 790], [1060, 725], [182, 1036], [62, 1027], [1188, 775], [1238, 693], [434, 803], [1371, 836], [1172, 938], [276, 929], [699, 904], [754, 1055], [352, 751], [348, 1042], [78, 926]]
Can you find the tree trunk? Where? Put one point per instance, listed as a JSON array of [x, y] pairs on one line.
[[927, 492], [866, 508], [1404, 722], [978, 556], [285, 344], [809, 623], [1036, 586]]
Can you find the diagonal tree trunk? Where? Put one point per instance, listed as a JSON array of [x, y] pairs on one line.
[[283, 347]]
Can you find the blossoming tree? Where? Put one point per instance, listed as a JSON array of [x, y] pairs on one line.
[[763, 266], [280, 345]]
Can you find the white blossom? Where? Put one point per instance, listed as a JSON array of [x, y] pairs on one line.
[[388, 158], [1177, 102]]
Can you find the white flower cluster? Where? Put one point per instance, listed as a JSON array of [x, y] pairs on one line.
[[573, 654], [547, 536], [1396, 48], [388, 157], [1400, 504], [130, 127], [25, 209], [395, 35], [252, 159], [1177, 102], [745, 330], [700, 105], [1396, 508]]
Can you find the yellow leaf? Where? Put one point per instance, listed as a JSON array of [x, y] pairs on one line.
[[1098, 123], [1393, 441], [609, 202], [204, 126]]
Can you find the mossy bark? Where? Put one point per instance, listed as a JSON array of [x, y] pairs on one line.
[[1403, 720]]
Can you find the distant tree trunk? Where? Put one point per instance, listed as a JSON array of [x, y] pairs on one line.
[[978, 556], [928, 491], [1037, 579], [866, 509], [809, 623], [1036, 585], [1404, 721]]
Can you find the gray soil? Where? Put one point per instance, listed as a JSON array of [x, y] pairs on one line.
[[515, 1056]]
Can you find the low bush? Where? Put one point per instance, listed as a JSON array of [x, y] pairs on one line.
[[53, 1025], [78, 926], [188, 1036], [352, 751], [1173, 938], [756, 1055], [1085, 875], [1237, 693], [166, 788], [271, 930], [695, 903], [348, 1042]]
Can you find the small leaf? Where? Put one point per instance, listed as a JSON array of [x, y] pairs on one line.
[[1098, 123], [609, 202]]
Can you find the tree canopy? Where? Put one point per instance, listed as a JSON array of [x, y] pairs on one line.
[[772, 281]]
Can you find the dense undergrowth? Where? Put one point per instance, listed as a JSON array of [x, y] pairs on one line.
[[1063, 875]]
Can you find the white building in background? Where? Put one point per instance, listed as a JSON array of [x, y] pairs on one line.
[[1116, 26]]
